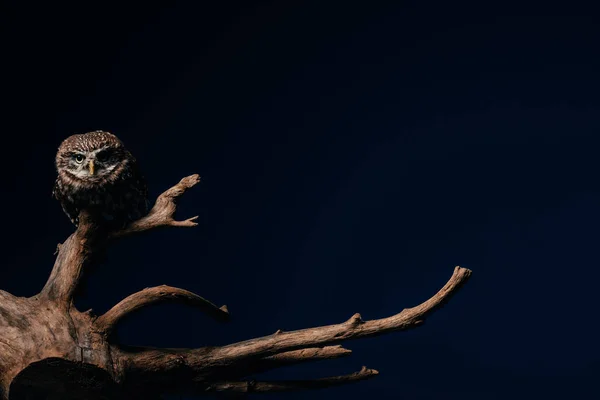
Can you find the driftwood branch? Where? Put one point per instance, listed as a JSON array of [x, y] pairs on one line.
[[211, 363], [288, 358], [75, 253], [48, 345], [353, 328], [72, 257], [154, 295], [286, 386], [298, 356], [162, 214]]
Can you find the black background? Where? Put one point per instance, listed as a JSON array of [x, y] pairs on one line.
[[351, 156]]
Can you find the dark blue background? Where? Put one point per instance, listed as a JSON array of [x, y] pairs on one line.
[[351, 156]]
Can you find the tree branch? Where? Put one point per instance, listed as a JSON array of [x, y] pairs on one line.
[[5, 296], [162, 214], [298, 356], [284, 359], [284, 386], [75, 252], [354, 328], [208, 362], [6, 303], [106, 322]]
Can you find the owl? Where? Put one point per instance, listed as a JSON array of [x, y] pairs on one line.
[[98, 174]]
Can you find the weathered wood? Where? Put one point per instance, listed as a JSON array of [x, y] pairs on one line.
[[56, 378], [286, 386], [161, 215], [50, 350], [159, 294], [217, 363]]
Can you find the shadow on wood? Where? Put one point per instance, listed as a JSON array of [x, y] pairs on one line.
[[56, 378]]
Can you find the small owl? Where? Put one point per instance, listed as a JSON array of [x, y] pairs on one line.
[[96, 173]]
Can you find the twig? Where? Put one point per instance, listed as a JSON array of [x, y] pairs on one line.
[[284, 386], [286, 359], [106, 322], [162, 214], [296, 356]]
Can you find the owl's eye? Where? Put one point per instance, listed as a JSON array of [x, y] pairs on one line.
[[102, 156], [79, 158]]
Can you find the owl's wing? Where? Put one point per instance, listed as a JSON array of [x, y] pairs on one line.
[[143, 204], [67, 206], [139, 190], [55, 189]]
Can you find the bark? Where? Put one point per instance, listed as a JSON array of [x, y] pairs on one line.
[[51, 350]]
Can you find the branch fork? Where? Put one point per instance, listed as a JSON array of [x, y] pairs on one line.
[[162, 214], [64, 338]]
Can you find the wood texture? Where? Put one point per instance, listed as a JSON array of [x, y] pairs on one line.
[[159, 294], [286, 386], [48, 346]]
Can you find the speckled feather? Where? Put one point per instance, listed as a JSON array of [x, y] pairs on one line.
[[117, 195]]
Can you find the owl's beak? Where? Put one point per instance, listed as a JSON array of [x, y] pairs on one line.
[[91, 167]]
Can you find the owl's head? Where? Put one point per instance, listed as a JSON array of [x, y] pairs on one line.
[[91, 157]]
